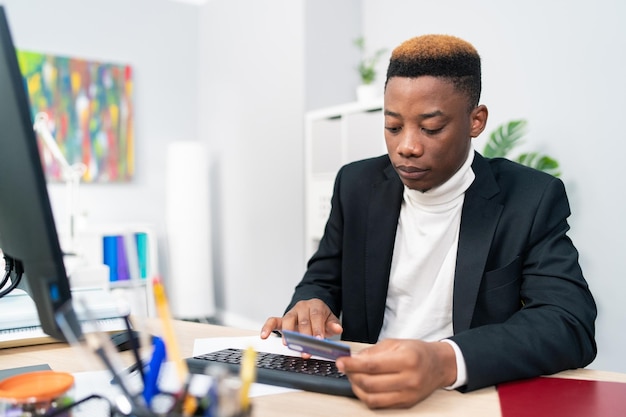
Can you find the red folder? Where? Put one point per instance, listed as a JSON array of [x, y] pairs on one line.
[[562, 397]]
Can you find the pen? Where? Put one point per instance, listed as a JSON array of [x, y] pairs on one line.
[[189, 402], [107, 354], [101, 345], [211, 409], [163, 311], [173, 353], [150, 388], [247, 374], [134, 343]]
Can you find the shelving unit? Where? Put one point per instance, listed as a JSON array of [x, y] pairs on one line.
[[87, 268], [335, 136]]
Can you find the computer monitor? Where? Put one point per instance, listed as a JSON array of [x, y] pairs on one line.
[[27, 229]]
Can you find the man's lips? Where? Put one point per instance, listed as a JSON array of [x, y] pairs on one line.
[[411, 172]]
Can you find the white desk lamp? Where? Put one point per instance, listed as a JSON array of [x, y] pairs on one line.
[[71, 175]]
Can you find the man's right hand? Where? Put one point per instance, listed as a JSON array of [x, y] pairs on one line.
[[312, 317]]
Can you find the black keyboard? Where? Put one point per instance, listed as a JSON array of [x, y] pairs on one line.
[[314, 375]]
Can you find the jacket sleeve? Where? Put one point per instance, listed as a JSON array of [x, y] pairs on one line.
[[554, 328]]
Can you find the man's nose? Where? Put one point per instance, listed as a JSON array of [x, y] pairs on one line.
[[411, 145]]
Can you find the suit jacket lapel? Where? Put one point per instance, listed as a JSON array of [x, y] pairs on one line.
[[479, 218], [382, 222]]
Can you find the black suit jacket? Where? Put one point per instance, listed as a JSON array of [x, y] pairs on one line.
[[521, 306]]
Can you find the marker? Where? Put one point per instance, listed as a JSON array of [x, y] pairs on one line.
[[150, 388]]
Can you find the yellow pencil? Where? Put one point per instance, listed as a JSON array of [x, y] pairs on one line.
[[247, 374], [163, 311]]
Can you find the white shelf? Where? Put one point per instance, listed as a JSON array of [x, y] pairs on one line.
[[89, 261], [335, 136]]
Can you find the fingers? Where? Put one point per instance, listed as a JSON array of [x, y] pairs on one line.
[[380, 358], [389, 399], [381, 387], [312, 317], [271, 324], [396, 373], [391, 390], [333, 326], [303, 318], [318, 314]]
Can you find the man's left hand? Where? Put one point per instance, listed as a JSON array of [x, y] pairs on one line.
[[398, 373]]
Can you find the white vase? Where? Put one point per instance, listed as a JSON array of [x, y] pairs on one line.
[[366, 92]]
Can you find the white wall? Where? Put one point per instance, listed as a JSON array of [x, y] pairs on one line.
[[251, 114], [560, 64], [331, 58]]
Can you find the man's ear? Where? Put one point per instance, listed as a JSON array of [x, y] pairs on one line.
[[478, 119]]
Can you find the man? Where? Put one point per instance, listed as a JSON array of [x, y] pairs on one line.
[[457, 267]]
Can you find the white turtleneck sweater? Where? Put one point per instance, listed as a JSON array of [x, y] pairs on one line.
[[419, 299]]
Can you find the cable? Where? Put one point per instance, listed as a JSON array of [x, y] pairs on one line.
[[64, 409], [15, 271], [8, 267]]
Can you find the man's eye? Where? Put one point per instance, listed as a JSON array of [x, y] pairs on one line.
[[392, 129], [432, 131]]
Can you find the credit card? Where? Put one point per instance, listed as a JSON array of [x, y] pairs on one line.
[[325, 348]]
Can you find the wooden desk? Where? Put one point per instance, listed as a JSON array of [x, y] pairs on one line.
[[483, 403]]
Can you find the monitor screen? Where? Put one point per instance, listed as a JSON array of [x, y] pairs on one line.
[[27, 229]]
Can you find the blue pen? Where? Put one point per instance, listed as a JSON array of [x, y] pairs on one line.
[[212, 405], [150, 388]]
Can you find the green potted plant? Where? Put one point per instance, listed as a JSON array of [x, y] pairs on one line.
[[367, 70], [504, 138]]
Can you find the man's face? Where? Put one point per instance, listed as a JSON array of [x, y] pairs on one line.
[[428, 129]]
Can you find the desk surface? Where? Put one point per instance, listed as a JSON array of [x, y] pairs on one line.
[[483, 403]]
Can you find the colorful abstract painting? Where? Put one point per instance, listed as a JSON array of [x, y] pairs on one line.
[[90, 112]]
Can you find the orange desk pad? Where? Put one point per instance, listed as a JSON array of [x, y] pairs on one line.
[[562, 397]]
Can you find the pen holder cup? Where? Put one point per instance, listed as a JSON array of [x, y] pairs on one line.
[[35, 394]]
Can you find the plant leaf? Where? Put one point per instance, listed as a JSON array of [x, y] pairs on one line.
[[508, 135], [360, 43], [541, 162], [504, 138], [367, 64]]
